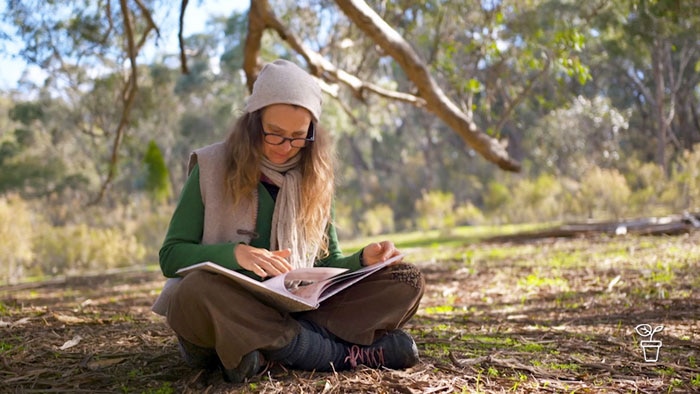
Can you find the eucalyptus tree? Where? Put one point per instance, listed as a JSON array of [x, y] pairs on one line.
[[472, 65], [75, 41], [651, 61]]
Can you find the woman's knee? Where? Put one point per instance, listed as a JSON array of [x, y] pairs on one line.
[[408, 274], [194, 285]]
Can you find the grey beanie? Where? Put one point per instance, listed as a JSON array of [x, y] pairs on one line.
[[283, 82]]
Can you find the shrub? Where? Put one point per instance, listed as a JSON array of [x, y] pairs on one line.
[[77, 248], [157, 180], [435, 210], [604, 193], [497, 197], [16, 231], [686, 179], [535, 201], [647, 183], [469, 214], [377, 220]]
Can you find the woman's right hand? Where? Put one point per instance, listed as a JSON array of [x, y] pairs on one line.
[[263, 262]]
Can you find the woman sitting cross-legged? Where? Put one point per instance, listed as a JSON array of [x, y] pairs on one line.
[[260, 203]]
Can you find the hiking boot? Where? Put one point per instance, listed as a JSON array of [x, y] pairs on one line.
[[196, 356], [395, 350], [249, 366]]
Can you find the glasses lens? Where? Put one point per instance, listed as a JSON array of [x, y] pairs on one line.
[[298, 142], [274, 139]]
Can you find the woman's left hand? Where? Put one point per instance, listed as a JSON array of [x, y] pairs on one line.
[[377, 252]]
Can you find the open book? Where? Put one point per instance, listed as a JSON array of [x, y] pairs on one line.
[[298, 290]]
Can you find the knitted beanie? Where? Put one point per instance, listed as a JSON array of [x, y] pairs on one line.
[[283, 82]]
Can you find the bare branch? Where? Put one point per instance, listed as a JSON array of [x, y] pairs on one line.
[[150, 25], [256, 27], [128, 97], [181, 39]]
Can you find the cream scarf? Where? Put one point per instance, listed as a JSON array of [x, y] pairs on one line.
[[287, 231]]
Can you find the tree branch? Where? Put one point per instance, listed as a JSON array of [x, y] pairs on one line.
[[436, 100], [512, 104], [150, 25], [128, 97], [181, 39], [265, 18]]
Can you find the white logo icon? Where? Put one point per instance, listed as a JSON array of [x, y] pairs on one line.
[[650, 347]]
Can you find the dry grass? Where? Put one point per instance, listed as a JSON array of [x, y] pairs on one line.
[[543, 316]]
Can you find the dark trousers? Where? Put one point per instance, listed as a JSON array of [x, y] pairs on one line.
[[211, 311]]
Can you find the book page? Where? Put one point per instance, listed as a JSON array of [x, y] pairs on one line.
[[302, 281], [345, 280], [297, 290], [273, 295]]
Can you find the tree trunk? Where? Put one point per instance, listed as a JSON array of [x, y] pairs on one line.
[[658, 75]]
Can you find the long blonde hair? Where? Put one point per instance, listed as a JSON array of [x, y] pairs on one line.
[[244, 147]]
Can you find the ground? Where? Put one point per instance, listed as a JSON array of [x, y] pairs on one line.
[[547, 315]]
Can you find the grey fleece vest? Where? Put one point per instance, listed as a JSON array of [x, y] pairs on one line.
[[223, 223]]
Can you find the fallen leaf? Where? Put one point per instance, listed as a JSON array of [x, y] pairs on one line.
[[613, 282], [69, 344], [68, 319]]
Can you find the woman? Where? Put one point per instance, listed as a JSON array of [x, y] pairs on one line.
[[260, 203]]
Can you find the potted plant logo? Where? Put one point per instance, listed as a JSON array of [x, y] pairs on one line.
[[650, 347]]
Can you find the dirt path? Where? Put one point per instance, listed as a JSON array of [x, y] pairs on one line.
[[545, 316]]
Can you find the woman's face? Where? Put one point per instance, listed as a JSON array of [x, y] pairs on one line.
[[287, 121]]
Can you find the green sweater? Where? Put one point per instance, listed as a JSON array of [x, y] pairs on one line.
[[182, 246]]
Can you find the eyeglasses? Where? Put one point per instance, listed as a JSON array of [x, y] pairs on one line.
[[276, 139]]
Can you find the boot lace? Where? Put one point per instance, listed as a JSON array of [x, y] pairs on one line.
[[372, 357]]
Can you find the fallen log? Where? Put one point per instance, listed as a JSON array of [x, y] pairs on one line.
[[667, 225]]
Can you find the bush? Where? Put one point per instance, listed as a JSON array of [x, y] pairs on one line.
[[535, 201], [469, 214], [604, 193], [378, 220], [647, 183], [435, 210], [157, 180], [497, 196], [686, 179], [78, 248], [16, 231]]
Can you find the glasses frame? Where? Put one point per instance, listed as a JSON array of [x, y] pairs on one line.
[[294, 142]]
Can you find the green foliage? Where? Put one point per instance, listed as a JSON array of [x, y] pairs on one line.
[[648, 183], [568, 140], [604, 193], [435, 210], [157, 179], [81, 248], [468, 213], [686, 179], [27, 112], [540, 200], [497, 195], [378, 220], [16, 234]]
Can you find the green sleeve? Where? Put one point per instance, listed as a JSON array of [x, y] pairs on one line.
[[182, 246], [335, 256]]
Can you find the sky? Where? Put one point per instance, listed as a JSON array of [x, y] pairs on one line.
[[196, 16]]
